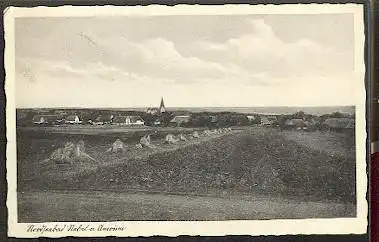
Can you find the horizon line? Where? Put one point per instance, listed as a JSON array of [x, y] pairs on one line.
[[174, 107]]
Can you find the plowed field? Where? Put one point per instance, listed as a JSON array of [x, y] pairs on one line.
[[246, 164]]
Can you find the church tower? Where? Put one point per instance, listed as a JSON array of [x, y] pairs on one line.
[[162, 108]]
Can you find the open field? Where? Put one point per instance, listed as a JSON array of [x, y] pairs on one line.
[[339, 144], [246, 165], [103, 206]]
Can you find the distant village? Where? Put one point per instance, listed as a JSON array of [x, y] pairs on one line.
[[161, 117]]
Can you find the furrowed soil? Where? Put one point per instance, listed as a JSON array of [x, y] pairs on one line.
[[246, 164]]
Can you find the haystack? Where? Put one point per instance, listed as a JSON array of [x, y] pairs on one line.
[[70, 152], [80, 148], [206, 133], [195, 134], [117, 146], [139, 146], [146, 142], [182, 137], [170, 139], [64, 154]]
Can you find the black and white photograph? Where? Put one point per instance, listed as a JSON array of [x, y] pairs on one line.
[[183, 116]]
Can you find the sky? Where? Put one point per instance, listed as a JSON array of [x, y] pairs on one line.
[[192, 61]]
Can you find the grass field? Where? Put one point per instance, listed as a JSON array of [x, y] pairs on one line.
[[305, 168]]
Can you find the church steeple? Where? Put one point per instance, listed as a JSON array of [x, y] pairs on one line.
[[162, 108]]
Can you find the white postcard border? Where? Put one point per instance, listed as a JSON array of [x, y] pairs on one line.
[[356, 225]]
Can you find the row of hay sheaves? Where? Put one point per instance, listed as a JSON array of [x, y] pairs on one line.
[[71, 151]]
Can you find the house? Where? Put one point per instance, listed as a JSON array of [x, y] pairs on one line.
[[38, 119], [272, 117], [265, 121], [134, 120], [103, 119], [152, 111], [296, 124], [128, 120], [119, 120], [158, 121], [179, 120], [254, 119], [73, 119], [45, 119], [60, 119], [339, 124], [251, 118]]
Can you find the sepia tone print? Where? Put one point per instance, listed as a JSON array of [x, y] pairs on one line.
[[221, 117]]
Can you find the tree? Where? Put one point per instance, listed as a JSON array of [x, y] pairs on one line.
[[336, 115], [282, 121], [148, 118], [256, 120], [299, 115], [199, 120], [166, 118]]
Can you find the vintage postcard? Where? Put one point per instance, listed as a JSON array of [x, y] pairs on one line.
[[186, 120]]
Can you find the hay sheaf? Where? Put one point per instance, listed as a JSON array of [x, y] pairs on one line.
[[170, 139], [69, 153], [195, 135], [182, 137], [117, 146], [145, 141]]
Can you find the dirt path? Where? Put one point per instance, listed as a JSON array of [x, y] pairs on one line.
[[50, 206]]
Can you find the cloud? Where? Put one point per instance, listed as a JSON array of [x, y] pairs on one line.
[[156, 58], [261, 50], [241, 58], [160, 58], [252, 67]]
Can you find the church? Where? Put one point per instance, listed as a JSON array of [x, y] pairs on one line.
[[154, 111]]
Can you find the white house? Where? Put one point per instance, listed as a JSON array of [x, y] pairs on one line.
[[38, 119], [134, 120], [129, 120], [73, 119], [251, 117], [45, 119], [103, 119], [265, 121]]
